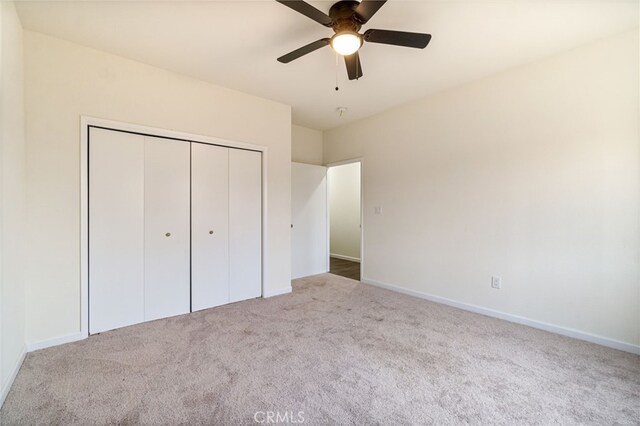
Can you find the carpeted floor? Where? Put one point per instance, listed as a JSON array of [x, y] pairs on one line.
[[338, 351]]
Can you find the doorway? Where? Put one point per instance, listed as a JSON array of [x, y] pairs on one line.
[[345, 219]]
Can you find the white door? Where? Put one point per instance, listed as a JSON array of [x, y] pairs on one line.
[[309, 219], [209, 226], [116, 229], [245, 224], [167, 228]]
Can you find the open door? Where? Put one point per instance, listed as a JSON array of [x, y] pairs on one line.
[[309, 245]]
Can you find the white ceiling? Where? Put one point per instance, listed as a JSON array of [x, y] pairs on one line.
[[236, 43]]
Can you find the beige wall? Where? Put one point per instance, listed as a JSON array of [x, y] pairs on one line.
[[12, 197], [531, 175], [344, 211], [65, 80], [306, 145]]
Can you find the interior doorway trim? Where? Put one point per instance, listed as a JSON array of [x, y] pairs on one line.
[[362, 225], [85, 123]]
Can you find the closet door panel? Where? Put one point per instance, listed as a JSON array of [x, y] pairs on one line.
[[210, 226], [116, 229], [167, 228], [245, 224]]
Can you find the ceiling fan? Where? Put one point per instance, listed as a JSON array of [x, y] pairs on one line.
[[346, 17]]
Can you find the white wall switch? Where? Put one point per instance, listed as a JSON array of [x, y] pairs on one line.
[[496, 282]]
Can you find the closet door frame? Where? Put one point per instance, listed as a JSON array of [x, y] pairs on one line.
[[87, 122]]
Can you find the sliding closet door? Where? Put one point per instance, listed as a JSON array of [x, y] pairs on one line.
[[245, 224], [166, 227], [116, 229], [209, 226]]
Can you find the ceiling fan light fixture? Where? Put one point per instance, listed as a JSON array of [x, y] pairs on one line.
[[346, 43], [346, 18]]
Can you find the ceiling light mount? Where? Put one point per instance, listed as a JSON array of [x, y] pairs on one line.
[[343, 16], [341, 110]]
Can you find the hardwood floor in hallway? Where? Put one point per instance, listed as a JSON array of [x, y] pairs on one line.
[[345, 268]]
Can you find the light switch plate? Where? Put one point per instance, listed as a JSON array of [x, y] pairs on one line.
[[496, 282]]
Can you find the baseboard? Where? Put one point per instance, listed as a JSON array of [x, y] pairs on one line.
[[576, 334], [277, 292], [14, 372], [34, 346], [349, 258]]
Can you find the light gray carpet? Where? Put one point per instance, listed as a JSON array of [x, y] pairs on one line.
[[339, 351]]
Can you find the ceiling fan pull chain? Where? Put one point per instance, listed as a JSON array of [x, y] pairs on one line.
[[337, 62]]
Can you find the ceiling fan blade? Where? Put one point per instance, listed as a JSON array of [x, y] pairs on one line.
[[367, 8], [285, 59], [398, 38], [309, 11], [354, 66]]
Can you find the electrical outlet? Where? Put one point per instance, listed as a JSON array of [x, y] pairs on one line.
[[377, 210], [496, 282]]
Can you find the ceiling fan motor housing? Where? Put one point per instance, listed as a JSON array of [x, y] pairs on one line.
[[343, 15]]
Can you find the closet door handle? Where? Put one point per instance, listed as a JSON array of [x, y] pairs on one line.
[[168, 234], [210, 232]]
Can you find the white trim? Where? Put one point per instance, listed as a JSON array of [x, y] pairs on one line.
[[12, 377], [343, 162], [328, 183], [42, 344], [85, 122], [165, 133], [278, 292], [565, 331], [349, 258], [265, 251], [84, 226]]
